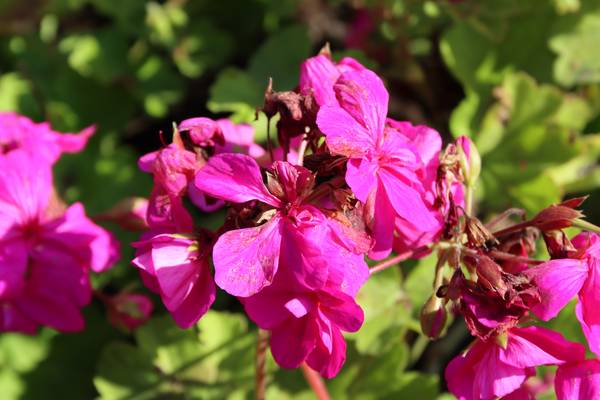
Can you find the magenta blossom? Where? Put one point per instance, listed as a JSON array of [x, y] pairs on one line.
[[318, 75], [578, 380], [296, 234], [560, 280], [176, 267], [19, 132], [306, 325], [46, 252], [383, 166], [492, 369]]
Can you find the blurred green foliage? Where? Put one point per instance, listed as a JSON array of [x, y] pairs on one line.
[[522, 78]]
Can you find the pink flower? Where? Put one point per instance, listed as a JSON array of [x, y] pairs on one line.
[[45, 252], [305, 325], [176, 267], [489, 370], [129, 311], [19, 132], [560, 280], [318, 75], [383, 166], [295, 235], [578, 380]]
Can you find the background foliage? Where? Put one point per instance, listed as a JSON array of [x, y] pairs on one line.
[[522, 78]]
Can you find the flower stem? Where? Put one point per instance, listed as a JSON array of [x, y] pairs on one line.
[[261, 364], [315, 382], [302, 150], [390, 261]]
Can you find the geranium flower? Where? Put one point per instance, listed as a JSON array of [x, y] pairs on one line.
[[492, 369], [19, 132], [561, 279], [295, 233], [383, 167], [46, 252]]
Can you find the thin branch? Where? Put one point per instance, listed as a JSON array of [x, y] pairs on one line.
[[315, 382], [261, 364], [391, 261]]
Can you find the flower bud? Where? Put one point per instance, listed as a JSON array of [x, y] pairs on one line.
[[556, 217], [128, 311], [433, 317], [129, 214], [470, 161]]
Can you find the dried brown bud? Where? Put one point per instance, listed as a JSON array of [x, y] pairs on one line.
[[477, 234], [433, 317], [557, 216]]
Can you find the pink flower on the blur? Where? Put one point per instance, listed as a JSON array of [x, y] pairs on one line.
[[561, 279], [318, 75], [383, 169], [489, 370], [306, 325], [129, 311], [19, 132], [578, 381], [175, 266], [295, 235], [46, 252]]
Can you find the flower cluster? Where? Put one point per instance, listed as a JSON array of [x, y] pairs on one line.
[[47, 248], [345, 182], [497, 289]]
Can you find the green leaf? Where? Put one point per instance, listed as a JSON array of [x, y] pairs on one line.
[[280, 57], [214, 362], [237, 92], [578, 61]]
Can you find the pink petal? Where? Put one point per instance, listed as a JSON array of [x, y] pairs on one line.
[[342, 310], [318, 74], [406, 201], [176, 267], [495, 379], [534, 345], [14, 320], [13, 267], [588, 307], [74, 143], [360, 176], [268, 307], [382, 225], [344, 135], [578, 381], [52, 309], [25, 188], [235, 178], [292, 341], [460, 372], [328, 362], [558, 282], [95, 247], [58, 269], [197, 302], [364, 97], [246, 260], [301, 254]]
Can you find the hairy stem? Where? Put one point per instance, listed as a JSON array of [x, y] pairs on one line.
[[390, 261], [315, 382], [261, 364]]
